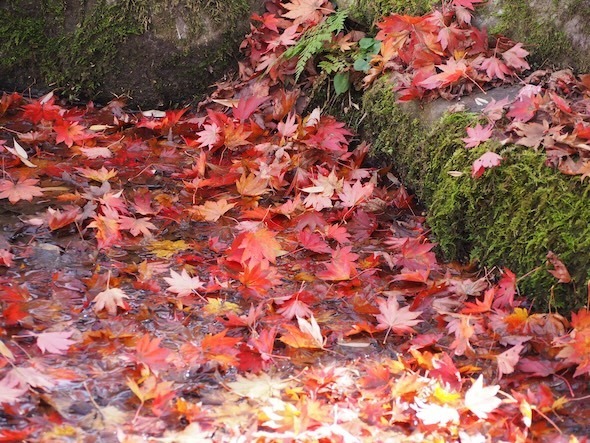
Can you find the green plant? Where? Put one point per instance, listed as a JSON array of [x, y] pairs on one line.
[[313, 41]]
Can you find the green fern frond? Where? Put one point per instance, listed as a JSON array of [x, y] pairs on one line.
[[312, 41], [333, 63]]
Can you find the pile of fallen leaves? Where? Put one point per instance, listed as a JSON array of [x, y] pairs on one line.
[[236, 274]]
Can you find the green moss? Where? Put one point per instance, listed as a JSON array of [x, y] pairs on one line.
[[78, 61], [20, 37], [79, 48], [511, 216], [538, 29]]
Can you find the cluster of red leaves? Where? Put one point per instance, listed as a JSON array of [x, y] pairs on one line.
[[274, 32], [549, 113], [442, 54], [173, 271]]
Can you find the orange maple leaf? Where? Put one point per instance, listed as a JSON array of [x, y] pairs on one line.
[[212, 210], [255, 247], [149, 353]]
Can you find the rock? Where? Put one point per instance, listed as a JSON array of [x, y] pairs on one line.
[[159, 52]]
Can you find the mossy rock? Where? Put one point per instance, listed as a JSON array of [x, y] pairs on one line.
[[159, 52], [555, 32], [512, 216]]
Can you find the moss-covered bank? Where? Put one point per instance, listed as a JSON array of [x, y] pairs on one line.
[[511, 216], [159, 52], [554, 31]]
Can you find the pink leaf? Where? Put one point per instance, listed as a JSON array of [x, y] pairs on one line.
[[54, 342], [395, 319], [486, 161], [477, 135]]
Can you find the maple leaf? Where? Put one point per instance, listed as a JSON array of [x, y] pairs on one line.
[[308, 335], [313, 242], [514, 57], [11, 390], [524, 107], [258, 387], [252, 185], [452, 71], [29, 376], [54, 342], [70, 133], [42, 109], [481, 401], [151, 389], [496, 68], [110, 299], [433, 414], [137, 226], [467, 3], [330, 135], [395, 319], [210, 136], [149, 353], [352, 195], [212, 210], [107, 229], [257, 246], [100, 175], [486, 161], [480, 306], [477, 135], [341, 267], [463, 329], [507, 360], [304, 10], [248, 105], [58, 219], [559, 270], [506, 290], [24, 189], [183, 284]]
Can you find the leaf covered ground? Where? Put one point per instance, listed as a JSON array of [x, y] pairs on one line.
[[235, 273]]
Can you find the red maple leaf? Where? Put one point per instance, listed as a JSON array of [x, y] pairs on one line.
[[70, 133], [330, 135], [247, 106], [341, 267], [107, 229], [524, 108], [452, 71], [496, 68], [42, 109], [467, 3], [486, 161]]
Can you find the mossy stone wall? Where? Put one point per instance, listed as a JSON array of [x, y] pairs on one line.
[[511, 216], [555, 32], [159, 52]]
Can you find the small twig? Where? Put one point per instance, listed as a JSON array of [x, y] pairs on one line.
[[93, 401]]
